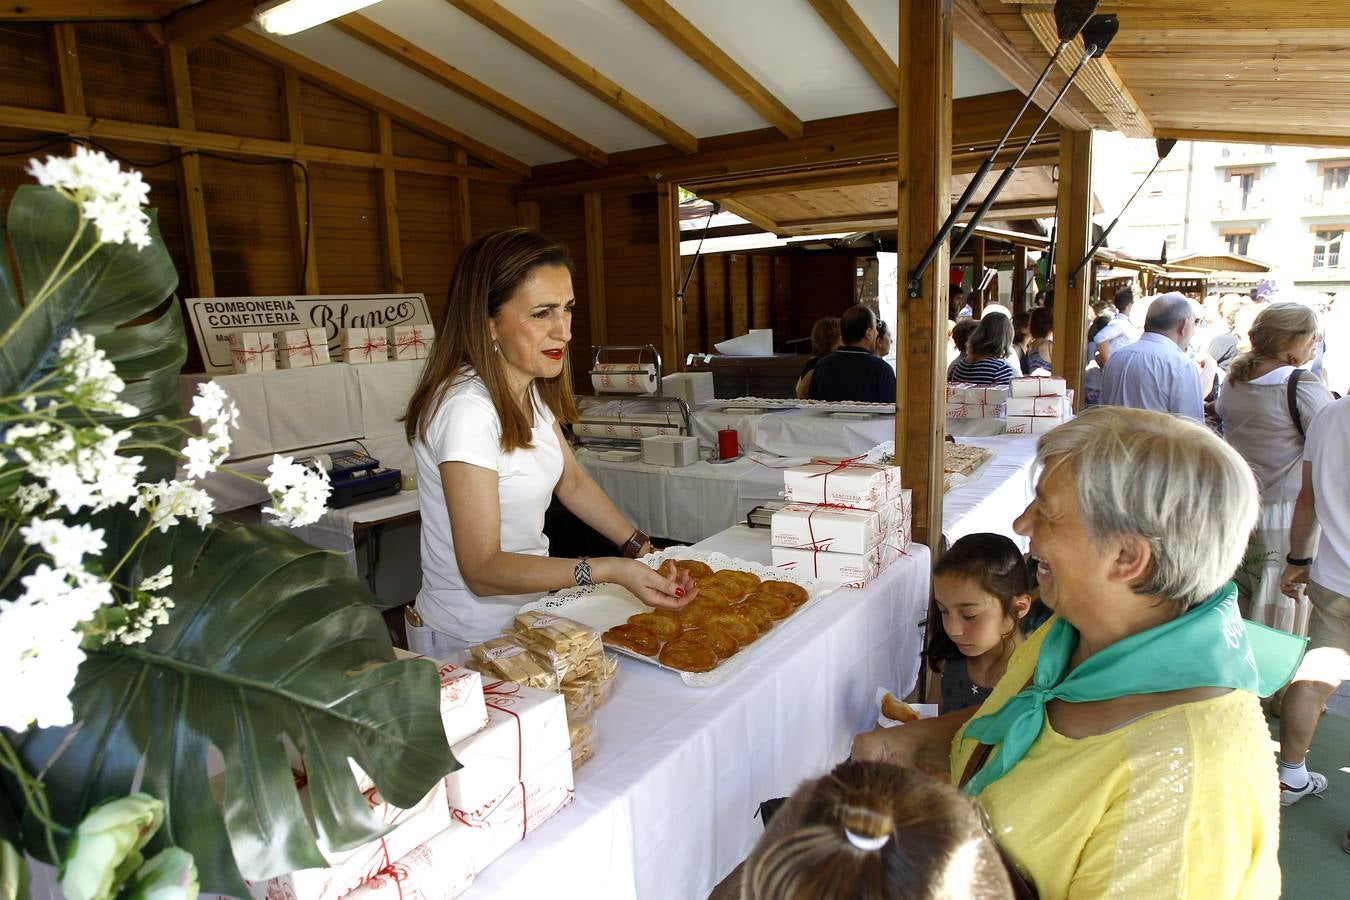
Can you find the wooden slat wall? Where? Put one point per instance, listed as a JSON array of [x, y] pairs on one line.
[[564, 220], [27, 76], [251, 218], [632, 266], [122, 74]]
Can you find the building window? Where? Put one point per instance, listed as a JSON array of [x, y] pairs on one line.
[[1239, 190], [1336, 176], [1239, 242], [1327, 244]]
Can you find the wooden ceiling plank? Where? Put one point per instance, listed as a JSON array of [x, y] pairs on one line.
[[433, 67], [754, 217], [1254, 137], [273, 52], [853, 32], [534, 42], [71, 10], [801, 182], [1099, 79], [979, 32], [681, 32], [194, 25], [159, 135]]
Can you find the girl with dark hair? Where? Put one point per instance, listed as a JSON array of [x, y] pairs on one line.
[[983, 592], [484, 423], [985, 360], [1041, 326]]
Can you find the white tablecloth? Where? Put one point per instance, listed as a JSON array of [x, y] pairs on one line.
[[337, 528], [666, 808], [804, 432], [690, 503]]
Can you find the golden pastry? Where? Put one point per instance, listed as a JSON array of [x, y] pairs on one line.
[[898, 710], [662, 627], [738, 626], [715, 639], [694, 568], [630, 638], [757, 615], [688, 656], [793, 593], [717, 596], [775, 605], [744, 581]]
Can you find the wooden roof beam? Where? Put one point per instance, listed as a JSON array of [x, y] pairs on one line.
[[273, 52], [681, 32], [552, 54], [1255, 137], [858, 38], [977, 31], [71, 10], [433, 67], [194, 25], [1099, 80], [761, 185], [751, 215]]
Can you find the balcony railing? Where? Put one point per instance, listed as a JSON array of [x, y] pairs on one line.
[[1232, 202], [1327, 199]]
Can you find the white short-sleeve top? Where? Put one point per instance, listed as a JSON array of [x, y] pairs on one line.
[[465, 428]]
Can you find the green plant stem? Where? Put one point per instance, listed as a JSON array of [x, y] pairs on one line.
[[34, 795], [36, 301], [65, 276], [145, 532], [19, 562]]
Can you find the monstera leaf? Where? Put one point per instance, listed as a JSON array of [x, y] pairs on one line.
[[269, 641]]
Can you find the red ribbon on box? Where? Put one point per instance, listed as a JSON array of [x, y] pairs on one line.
[[498, 697], [242, 354], [307, 348], [371, 346], [391, 870], [410, 340]]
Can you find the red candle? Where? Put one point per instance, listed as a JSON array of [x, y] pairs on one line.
[[728, 444]]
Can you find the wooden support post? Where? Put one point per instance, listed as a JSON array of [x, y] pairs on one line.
[[1019, 279], [977, 276], [302, 221], [463, 214], [924, 193], [595, 268], [1074, 219], [388, 199], [668, 247], [66, 53], [201, 273]]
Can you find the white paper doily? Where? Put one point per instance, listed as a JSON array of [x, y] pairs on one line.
[[602, 606]]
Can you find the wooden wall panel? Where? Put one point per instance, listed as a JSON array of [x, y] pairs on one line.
[[346, 220], [761, 291], [738, 289], [714, 300], [411, 142], [564, 220], [822, 285], [333, 121], [632, 269], [786, 324], [235, 93], [491, 206], [426, 233], [249, 218], [27, 74], [695, 326], [123, 73]]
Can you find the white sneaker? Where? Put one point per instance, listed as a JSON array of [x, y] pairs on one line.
[[1317, 783]]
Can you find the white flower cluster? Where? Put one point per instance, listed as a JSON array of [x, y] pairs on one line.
[[218, 414], [39, 638], [146, 610], [106, 195], [91, 380], [299, 494], [78, 466], [167, 501]]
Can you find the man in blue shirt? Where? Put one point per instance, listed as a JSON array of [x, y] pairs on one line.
[[852, 372], [1154, 372]]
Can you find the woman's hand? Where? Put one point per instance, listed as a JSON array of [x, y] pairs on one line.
[[669, 588], [925, 745], [1294, 578]]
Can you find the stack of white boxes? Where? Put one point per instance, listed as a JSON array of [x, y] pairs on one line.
[[844, 522], [513, 744], [976, 401], [1038, 405]]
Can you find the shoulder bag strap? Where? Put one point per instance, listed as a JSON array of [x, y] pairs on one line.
[[1292, 398]]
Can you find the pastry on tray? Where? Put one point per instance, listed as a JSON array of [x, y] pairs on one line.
[[630, 637], [757, 616], [718, 640], [793, 593], [664, 628], [694, 568], [776, 605], [688, 656], [738, 626]]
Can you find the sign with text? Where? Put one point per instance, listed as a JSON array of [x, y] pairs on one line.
[[215, 318]]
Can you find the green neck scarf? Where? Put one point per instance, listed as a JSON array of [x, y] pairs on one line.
[[1209, 645]]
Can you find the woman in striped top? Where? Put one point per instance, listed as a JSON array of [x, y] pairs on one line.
[[984, 361]]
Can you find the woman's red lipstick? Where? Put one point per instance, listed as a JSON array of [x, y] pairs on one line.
[[553, 354]]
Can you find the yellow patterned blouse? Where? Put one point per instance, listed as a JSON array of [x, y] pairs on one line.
[[1178, 803]]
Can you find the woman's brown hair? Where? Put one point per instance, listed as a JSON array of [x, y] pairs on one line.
[[489, 272], [1276, 327], [824, 335], [925, 839]]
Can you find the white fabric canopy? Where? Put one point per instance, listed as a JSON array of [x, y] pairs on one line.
[[666, 808]]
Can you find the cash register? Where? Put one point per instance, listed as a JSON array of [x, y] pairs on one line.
[[356, 477]]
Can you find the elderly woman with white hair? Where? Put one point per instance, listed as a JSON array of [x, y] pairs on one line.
[[1124, 753]]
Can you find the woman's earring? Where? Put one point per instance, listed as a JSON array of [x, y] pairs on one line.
[[496, 347]]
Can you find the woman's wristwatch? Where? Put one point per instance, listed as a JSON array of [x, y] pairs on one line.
[[1300, 563], [632, 548]]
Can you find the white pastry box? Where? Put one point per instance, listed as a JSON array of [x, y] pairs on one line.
[[694, 388], [669, 450], [1037, 386], [1056, 407], [1032, 424]]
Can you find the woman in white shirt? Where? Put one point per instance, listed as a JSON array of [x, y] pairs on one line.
[[490, 454], [1259, 423]]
